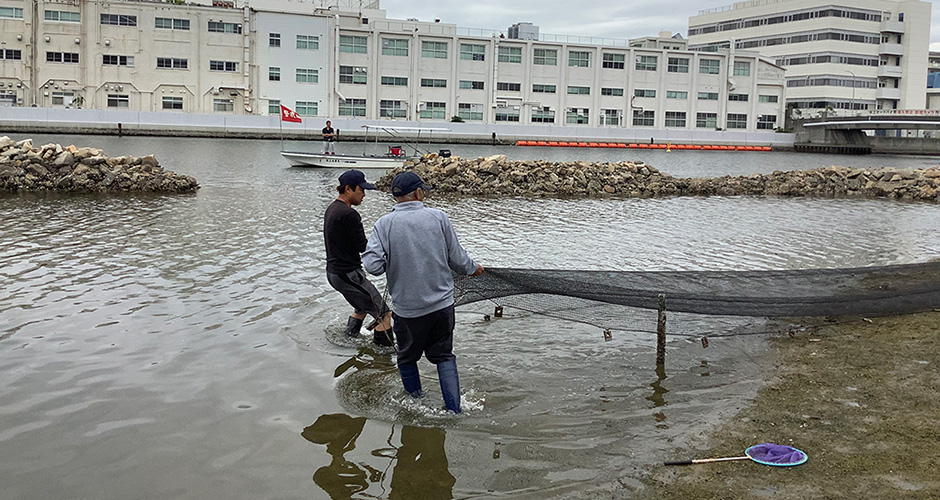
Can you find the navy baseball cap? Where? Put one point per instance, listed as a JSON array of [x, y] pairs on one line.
[[406, 182], [354, 178]]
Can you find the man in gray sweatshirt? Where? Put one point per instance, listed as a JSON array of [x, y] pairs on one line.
[[417, 248]]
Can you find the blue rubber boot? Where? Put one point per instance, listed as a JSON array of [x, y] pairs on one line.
[[450, 384], [411, 379]]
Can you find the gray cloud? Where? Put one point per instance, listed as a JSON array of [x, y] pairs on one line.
[[597, 18]]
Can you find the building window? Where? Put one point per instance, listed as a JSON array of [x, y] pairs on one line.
[[11, 13], [227, 66], [394, 47], [471, 85], [393, 109], [677, 65], [62, 57], [110, 60], [308, 42], [644, 118], [579, 59], [172, 63], [119, 101], [611, 91], [675, 119], [274, 74], [352, 74], [223, 105], [541, 88], [470, 111], [676, 94], [577, 116], [766, 122], [647, 63], [742, 68], [353, 45], [507, 114], [433, 111], [352, 107], [509, 54], [709, 66], [767, 98], [220, 27], [274, 107], [395, 81], [11, 54], [543, 115], [306, 108], [644, 92], [706, 120], [118, 20], [736, 120], [614, 61], [59, 98], [274, 40], [737, 97], [708, 96], [172, 103], [63, 16], [166, 23], [434, 50], [438, 83], [472, 52], [509, 87], [611, 116], [545, 57], [578, 90], [306, 75]]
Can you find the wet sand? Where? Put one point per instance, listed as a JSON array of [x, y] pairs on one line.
[[861, 398]]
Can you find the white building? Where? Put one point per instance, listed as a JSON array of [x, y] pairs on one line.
[[864, 54], [346, 59]]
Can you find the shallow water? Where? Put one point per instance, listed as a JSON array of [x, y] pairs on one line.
[[190, 347]]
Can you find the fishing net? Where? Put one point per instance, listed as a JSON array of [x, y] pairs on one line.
[[775, 454], [601, 297]]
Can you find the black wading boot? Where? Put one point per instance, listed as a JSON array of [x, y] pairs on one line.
[[383, 337], [352, 327]]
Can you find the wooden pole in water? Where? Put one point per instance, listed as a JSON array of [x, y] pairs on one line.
[[661, 332]]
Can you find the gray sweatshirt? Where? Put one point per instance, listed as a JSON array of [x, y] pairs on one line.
[[418, 248]]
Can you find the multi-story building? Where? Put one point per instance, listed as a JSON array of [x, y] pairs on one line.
[[133, 55], [858, 55], [351, 61]]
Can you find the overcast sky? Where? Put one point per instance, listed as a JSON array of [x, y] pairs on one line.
[[601, 18]]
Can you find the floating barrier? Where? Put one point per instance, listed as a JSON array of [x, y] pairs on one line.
[[642, 145]]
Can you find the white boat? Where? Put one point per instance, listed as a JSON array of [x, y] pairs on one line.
[[394, 158]]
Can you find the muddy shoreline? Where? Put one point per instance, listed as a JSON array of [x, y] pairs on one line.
[[860, 397]]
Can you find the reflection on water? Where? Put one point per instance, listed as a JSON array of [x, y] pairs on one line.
[[418, 463]]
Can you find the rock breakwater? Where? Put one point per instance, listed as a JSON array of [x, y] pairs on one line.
[[54, 167], [497, 176]]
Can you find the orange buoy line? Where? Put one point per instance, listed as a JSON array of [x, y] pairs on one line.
[[643, 145]]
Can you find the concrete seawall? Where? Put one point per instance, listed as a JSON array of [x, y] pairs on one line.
[[114, 122]]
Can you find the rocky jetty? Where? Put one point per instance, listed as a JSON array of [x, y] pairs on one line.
[[496, 176], [53, 167]]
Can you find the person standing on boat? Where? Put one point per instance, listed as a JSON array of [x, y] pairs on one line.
[[345, 240], [329, 136], [417, 248]]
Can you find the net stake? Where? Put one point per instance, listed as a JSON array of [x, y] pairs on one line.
[[661, 332], [498, 312]]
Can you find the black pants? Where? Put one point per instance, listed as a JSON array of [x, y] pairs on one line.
[[431, 335]]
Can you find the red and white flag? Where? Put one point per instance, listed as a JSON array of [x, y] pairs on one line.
[[288, 115]]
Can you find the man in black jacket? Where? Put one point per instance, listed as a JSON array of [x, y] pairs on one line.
[[345, 240]]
